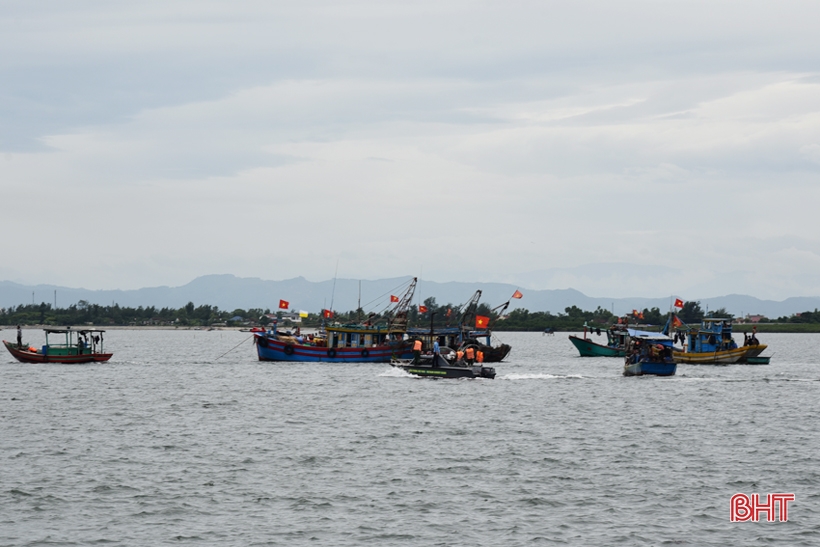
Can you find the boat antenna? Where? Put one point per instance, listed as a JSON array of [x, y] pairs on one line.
[[333, 293], [359, 305]]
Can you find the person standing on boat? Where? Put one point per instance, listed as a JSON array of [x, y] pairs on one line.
[[417, 352], [479, 357], [436, 348], [19, 337], [469, 353]]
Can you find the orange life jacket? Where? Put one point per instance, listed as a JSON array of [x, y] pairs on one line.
[[470, 352], [479, 356], [417, 345]]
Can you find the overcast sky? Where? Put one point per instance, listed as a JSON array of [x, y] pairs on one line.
[[619, 148]]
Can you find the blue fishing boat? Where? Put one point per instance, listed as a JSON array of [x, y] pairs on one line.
[[336, 343], [649, 353]]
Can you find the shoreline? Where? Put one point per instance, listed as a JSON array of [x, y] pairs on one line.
[[786, 328]]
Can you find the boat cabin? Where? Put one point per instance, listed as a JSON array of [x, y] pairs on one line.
[[714, 334], [361, 336], [648, 346], [68, 341], [345, 336]]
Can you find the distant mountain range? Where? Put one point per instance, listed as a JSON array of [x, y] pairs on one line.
[[230, 292]]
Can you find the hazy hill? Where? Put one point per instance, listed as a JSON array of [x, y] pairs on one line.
[[230, 292]]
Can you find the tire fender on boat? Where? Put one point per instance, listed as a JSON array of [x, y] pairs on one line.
[[262, 341], [331, 352], [289, 349], [365, 353]]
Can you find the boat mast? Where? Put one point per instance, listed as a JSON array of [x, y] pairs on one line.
[[469, 312], [398, 318]]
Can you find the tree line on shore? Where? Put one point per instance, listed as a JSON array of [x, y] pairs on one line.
[[519, 319]]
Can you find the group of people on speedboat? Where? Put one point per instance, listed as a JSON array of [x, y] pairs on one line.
[[469, 355]]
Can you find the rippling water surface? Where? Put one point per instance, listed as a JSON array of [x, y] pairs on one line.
[[167, 444]]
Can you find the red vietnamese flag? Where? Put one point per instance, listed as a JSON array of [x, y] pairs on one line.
[[394, 298], [678, 303], [517, 294], [327, 314], [481, 321], [422, 309], [635, 313], [284, 304], [676, 322]]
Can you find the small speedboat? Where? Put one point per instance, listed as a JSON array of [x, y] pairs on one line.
[[437, 366]]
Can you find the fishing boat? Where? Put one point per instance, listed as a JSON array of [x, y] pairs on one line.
[[458, 337], [471, 331], [71, 346], [337, 343], [712, 344], [649, 353], [616, 339], [437, 366]]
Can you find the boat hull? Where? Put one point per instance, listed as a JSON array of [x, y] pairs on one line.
[[25, 356], [752, 352], [270, 349], [588, 348], [491, 354], [448, 372], [725, 357], [495, 354], [650, 367]]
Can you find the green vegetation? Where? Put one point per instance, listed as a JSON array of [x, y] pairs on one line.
[[84, 313], [520, 319]]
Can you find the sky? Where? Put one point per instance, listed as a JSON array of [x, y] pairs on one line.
[[632, 148]]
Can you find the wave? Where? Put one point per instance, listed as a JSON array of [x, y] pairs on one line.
[[541, 376]]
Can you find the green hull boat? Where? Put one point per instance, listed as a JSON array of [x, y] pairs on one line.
[[588, 348]]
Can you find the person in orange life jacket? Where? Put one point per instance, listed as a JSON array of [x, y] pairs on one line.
[[417, 352], [459, 355], [469, 353], [479, 356]]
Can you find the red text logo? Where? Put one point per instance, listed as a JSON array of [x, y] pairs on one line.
[[745, 507]]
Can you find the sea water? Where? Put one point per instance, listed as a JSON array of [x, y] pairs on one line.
[[166, 444]]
